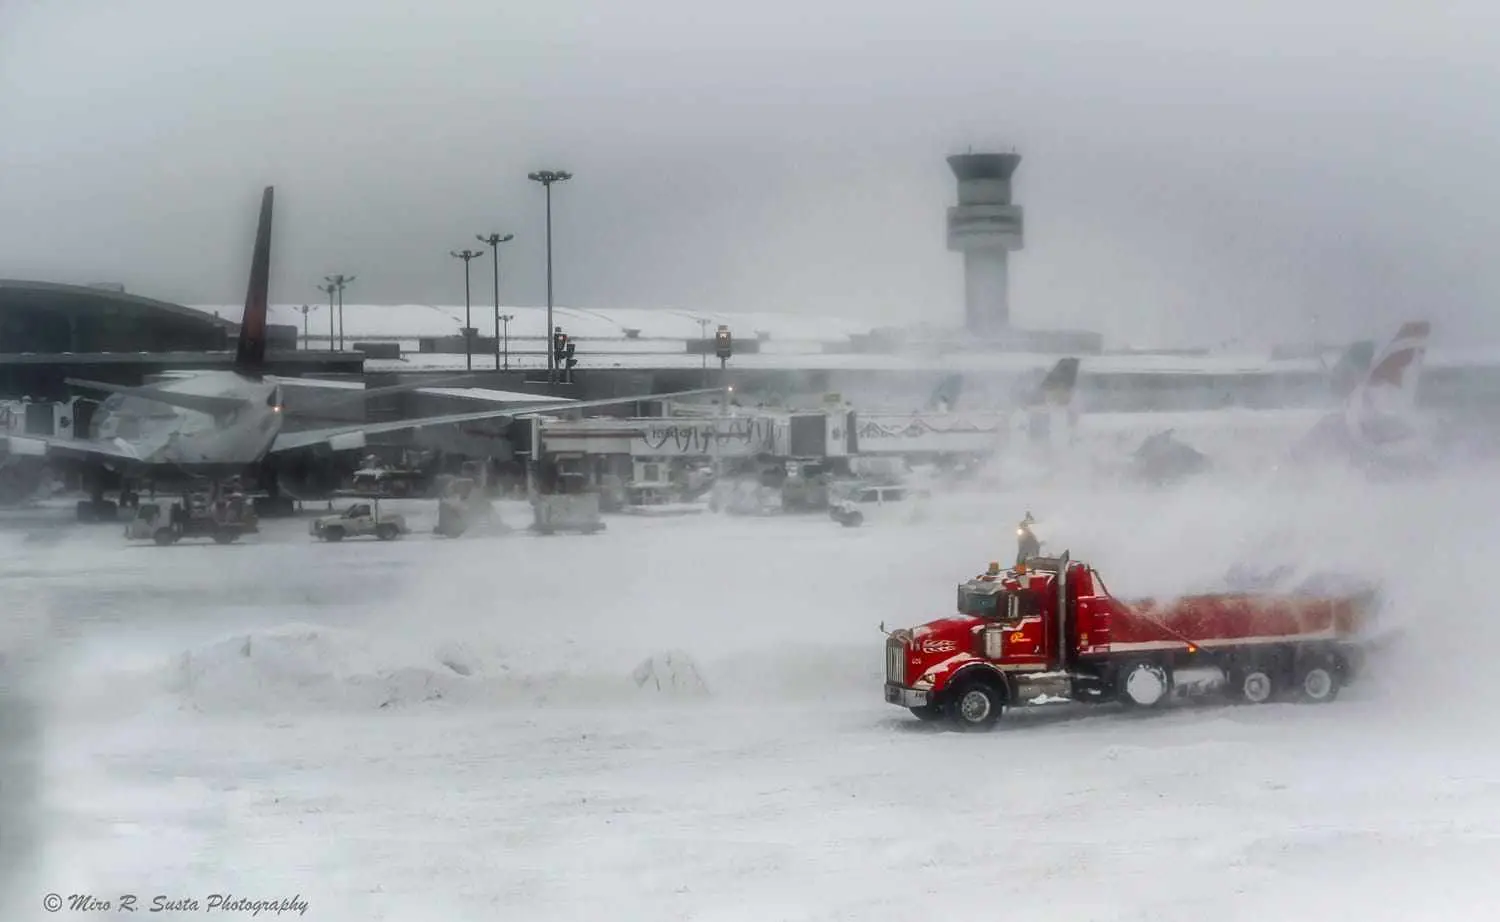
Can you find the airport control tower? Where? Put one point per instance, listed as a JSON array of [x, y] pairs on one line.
[[985, 227]]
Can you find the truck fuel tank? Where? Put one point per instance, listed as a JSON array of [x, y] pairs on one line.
[[1197, 681]]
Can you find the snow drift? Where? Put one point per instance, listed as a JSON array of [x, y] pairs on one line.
[[306, 667]]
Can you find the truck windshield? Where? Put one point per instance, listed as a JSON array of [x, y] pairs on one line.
[[978, 604], [1001, 606]]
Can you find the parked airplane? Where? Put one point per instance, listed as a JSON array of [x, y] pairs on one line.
[[1378, 428], [1374, 428], [222, 423]]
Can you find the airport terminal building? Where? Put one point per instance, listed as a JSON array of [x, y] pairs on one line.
[[50, 332]]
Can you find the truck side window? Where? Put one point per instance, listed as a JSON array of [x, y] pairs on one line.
[[1025, 604]]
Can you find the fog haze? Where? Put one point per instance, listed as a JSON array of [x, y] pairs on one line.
[[1191, 172]]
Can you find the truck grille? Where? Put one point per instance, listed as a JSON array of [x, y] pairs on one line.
[[895, 661]]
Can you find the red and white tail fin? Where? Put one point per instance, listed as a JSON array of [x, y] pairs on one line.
[[250, 355], [1385, 401]]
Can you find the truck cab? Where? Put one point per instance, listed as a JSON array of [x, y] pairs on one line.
[[1048, 631]]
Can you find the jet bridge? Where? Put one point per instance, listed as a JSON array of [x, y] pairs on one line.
[[745, 435], [839, 433]]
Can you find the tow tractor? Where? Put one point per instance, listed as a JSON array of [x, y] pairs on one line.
[[1049, 631]]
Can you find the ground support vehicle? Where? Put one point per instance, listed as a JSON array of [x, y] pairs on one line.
[[554, 512], [463, 509], [360, 520], [1048, 631], [878, 503], [195, 516]]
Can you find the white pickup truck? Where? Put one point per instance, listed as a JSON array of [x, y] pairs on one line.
[[856, 504], [360, 519]]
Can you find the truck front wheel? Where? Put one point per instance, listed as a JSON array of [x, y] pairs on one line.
[[1145, 685], [976, 704]]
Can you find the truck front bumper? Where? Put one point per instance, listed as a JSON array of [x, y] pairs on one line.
[[906, 697]]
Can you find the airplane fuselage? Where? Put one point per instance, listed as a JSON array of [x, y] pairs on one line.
[[159, 434]]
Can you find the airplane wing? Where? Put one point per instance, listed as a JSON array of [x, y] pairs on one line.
[[352, 436], [201, 403], [356, 394], [48, 446]]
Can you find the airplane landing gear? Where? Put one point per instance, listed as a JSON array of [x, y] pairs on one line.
[[97, 508]]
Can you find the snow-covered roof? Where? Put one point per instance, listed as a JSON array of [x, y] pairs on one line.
[[794, 341], [407, 321], [957, 362]]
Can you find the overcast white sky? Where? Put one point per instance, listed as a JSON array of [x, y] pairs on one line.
[[1193, 170]]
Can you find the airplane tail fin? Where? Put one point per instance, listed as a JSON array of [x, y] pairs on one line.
[[1378, 406], [1056, 390], [250, 356], [1388, 391], [945, 395], [1351, 368]]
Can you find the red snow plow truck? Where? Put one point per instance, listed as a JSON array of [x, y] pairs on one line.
[[1049, 631]]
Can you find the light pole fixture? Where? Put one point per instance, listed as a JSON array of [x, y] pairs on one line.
[[547, 178], [494, 241], [328, 290], [506, 319], [466, 256], [338, 282]]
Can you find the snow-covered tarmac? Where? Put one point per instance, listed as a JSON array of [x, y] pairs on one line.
[[434, 729]]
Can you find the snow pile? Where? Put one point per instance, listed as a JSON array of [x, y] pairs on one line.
[[304, 667], [673, 672]]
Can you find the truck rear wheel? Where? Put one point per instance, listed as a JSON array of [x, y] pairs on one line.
[[976, 704], [1318, 682], [386, 532], [1254, 685]]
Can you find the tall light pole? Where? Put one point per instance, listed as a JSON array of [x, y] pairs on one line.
[[494, 241], [506, 319], [466, 256], [328, 290], [547, 178], [338, 282], [305, 309], [703, 344]]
